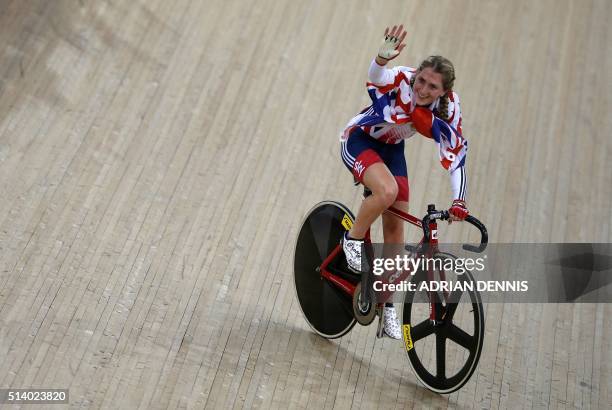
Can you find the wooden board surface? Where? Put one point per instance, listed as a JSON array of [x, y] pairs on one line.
[[156, 159]]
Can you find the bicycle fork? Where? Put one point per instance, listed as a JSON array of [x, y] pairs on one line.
[[431, 249]]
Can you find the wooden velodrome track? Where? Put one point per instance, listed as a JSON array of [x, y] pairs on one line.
[[156, 159]]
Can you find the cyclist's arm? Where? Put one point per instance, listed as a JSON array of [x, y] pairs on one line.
[[383, 77], [451, 145], [458, 177], [458, 180]]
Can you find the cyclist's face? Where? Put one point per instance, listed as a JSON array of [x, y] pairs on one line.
[[427, 86]]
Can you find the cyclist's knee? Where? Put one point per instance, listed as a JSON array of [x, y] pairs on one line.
[[388, 193]]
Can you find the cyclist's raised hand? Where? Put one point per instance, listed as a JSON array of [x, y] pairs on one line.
[[392, 44], [458, 211]]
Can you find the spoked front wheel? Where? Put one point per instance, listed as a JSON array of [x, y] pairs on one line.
[[445, 354], [327, 309]]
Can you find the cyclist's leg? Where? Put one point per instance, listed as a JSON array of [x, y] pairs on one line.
[[393, 227], [393, 233], [380, 181], [360, 154]]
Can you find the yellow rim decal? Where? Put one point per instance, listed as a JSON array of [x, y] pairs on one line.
[[347, 223], [407, 338]]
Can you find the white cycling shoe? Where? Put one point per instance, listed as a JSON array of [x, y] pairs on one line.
[[391, 323], [352, 250]]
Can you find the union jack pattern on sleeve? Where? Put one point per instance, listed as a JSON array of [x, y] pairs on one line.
[[452, 146]]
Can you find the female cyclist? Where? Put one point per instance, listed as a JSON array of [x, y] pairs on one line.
[[404, 100]]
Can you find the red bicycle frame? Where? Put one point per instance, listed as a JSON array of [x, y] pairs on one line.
[[349, 288]]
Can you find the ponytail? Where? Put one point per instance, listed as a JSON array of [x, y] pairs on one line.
[[442, 111]]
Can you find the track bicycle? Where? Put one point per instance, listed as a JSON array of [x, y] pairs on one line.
[[333, 298]]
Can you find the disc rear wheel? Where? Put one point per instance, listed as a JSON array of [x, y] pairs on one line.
[[327, 309]]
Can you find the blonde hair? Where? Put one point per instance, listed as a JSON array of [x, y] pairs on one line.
[[444, 67]]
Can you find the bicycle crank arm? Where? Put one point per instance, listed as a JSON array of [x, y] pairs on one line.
[[380, 331]]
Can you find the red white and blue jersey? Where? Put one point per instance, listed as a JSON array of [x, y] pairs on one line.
[[391, 116]]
